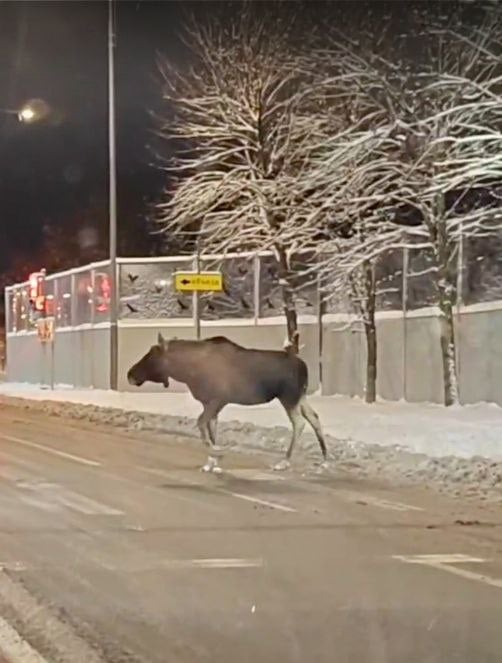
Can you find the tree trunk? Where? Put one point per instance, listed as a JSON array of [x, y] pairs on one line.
[[447, 336], [370, 330], [288, 301], [446, 292]]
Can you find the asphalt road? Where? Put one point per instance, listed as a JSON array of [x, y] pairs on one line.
[[114, 547]]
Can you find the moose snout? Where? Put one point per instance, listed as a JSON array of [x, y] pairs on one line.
[[133, 380]]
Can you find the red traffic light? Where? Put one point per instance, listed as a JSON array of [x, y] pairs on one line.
[[36, 290]]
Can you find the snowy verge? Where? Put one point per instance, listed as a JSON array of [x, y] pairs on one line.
[[458, 449], [467, 431]]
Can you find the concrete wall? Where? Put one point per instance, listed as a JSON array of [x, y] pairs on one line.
[[409, 359], [81, 358], [134, 342], [479, 336]]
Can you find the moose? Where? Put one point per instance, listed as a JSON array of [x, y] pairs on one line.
[[218, 372]]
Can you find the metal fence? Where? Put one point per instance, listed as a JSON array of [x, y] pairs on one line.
[[80, 297]]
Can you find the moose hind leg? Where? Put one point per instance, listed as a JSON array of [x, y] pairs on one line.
[[207, 426], [312, 417], [298, 424], [202, 425]]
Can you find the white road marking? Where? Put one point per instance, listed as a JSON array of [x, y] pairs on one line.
[[254, 475], [51, 450], [213, 563], [447, 563], [257, 500], [86, 505], [12, 566], [54, 495], [216, 489], [40, 504], [15, 648], [440, 559], [377, 501]]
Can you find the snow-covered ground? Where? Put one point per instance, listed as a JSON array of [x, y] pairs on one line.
[[467, 431], [456, 450]]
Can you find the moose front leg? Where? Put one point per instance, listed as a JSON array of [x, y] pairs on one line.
[[207, 427], [298, 424]]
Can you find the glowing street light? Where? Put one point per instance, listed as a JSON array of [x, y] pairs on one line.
[[26, 114], [32, 111]]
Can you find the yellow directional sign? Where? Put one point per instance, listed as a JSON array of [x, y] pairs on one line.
[[198, 281]]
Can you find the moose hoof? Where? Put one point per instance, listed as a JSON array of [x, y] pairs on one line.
[[212, 466], [282, 465]]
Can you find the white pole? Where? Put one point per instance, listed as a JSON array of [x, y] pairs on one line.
[[459, 302], [112, 202], [196, 294], [256, 287], [406, 260]]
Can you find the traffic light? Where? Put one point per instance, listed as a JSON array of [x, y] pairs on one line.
[[36, 291], [103, 289]]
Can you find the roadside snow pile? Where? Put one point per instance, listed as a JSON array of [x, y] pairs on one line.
[[477, 476]]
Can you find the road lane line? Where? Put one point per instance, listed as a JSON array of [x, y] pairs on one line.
[[51, 450], [455, 558], [55, 495], [217, 489], [257, 500], [12, 566], [391, 505], [213, 563], [447, 563], [15, 648], [84, 504], [253, 475]]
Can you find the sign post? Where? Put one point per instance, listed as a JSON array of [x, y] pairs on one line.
[[46, 334]]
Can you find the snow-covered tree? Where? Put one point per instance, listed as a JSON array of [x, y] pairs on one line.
[[354, 177], [424, 158], [243, 123], [450, 174]]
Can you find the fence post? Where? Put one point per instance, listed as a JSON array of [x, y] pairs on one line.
[[406, 258], [8, 325], [320, 328], [256, 287], [73, 300], [196, 296], [459, 302], [92, 301], [55, 296]]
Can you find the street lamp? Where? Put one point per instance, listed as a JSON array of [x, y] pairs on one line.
[[26, 114], [32, 111]]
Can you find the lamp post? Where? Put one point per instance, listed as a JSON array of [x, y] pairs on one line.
[[112, 197]]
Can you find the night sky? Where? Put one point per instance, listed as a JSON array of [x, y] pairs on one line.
[[53, 171]]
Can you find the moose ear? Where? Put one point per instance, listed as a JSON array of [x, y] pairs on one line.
[[161, 341]]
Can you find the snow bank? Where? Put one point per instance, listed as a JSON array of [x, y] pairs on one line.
[[473, 430], [453, 447]]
